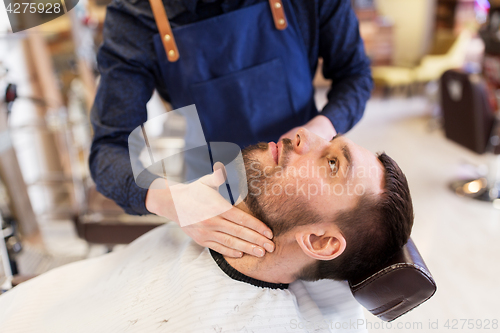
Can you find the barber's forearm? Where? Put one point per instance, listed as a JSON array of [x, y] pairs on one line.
[[347, 101], [345, 63], [111, 171]]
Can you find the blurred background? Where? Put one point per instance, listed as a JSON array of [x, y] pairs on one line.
[[434, 109]]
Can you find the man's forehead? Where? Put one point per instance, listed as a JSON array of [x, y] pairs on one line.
[[364, 165], [369, 170]]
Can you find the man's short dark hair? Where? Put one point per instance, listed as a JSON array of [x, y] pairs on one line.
[[375, 230]]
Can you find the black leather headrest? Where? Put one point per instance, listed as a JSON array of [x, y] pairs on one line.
[[400, 286]]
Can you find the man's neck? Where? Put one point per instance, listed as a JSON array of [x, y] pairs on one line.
[[275, 267], [270, 268]]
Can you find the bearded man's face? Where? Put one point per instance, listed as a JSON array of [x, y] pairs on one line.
[[307, 179]]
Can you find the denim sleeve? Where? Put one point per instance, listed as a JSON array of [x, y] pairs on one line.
[[126, 62], [345, 63]]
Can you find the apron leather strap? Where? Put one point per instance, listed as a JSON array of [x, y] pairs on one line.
[[278, 14], [166, 34]]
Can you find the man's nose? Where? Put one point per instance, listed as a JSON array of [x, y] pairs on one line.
[[304, 141]]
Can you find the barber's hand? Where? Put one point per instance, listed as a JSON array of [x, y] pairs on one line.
[[319, 125], [208, 218], [232, 233]]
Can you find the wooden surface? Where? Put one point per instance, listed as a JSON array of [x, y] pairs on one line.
[[12, 178]]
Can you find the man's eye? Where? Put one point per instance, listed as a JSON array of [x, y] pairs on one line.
[[333, 165]]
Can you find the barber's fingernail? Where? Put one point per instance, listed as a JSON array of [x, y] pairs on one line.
[[268, 234], [258, 251], [268, 247]]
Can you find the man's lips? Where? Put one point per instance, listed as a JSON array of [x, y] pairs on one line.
[[274, 148], [279, 147]]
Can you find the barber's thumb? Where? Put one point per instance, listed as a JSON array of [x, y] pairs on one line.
[[217, 178]]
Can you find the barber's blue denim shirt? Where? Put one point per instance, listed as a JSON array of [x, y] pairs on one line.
[[130, 72]]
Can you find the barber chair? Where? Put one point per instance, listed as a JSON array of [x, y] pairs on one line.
[[470, 121], [401, 285]]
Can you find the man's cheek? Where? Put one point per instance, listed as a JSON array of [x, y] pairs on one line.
[[290, 189], [255, 188], [317, 188], [307, 188]]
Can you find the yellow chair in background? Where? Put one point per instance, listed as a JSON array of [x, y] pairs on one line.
[[433, 66], [448, 53]]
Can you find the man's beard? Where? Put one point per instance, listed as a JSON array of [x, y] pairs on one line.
[[278, 210]]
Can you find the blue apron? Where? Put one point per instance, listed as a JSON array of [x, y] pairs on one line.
[[250, 82]]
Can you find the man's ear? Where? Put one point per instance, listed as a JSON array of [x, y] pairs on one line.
[[322, 243]]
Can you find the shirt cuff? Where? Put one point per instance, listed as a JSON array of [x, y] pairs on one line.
[[339, 118], [137, 194], [137, 202]]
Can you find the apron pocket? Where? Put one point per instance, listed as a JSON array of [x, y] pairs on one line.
[[247, 106]]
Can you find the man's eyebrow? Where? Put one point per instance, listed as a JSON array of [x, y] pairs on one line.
[[338, 135], [347, 154], [345, 151]]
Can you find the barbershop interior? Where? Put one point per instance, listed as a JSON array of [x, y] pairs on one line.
[[433, 106]]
